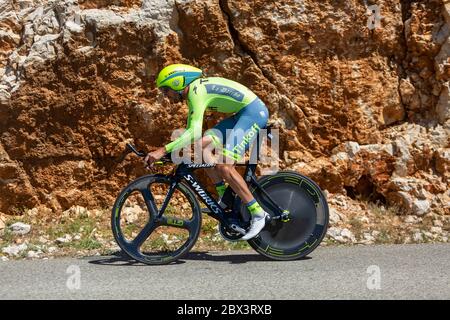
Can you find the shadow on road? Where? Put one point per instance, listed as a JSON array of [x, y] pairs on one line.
[[121, 259], [232, 258]]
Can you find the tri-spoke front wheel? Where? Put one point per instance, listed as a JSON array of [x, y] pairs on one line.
[[143, 233]]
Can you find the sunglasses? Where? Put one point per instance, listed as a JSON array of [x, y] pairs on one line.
[[165, 90]]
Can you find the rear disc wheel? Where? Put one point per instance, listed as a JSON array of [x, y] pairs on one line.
[[308, 211]]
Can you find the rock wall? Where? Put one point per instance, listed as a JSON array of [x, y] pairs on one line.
[[364, 111]]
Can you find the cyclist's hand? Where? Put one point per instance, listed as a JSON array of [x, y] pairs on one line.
[[154, 156]]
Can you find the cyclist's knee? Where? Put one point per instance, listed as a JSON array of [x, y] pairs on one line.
[[224, 170]]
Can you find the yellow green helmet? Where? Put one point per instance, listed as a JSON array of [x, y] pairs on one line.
[[177, 76]]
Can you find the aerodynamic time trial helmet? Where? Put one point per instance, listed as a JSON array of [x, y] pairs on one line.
[[177, 76]]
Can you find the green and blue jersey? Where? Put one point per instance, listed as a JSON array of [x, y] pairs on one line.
[[215, 93]]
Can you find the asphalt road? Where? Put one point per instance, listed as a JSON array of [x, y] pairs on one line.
[[357, 272]]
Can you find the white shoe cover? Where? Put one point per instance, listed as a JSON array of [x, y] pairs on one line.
[[257, 224]]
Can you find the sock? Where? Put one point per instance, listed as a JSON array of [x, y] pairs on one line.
[[220, 188], [254, 208]]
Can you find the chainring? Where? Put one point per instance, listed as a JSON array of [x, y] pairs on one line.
[[228, 234]]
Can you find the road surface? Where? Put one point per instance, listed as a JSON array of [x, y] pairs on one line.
[[343, 272]]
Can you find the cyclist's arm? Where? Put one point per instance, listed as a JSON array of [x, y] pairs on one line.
[[193, 130]]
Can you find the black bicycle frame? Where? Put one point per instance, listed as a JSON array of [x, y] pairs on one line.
[[185, 172]]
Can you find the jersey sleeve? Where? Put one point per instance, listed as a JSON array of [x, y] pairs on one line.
[[194, 126]]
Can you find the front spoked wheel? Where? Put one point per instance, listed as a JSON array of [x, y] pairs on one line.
[[141, 234], [308, 216]]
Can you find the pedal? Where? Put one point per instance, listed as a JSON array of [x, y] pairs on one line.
[[238, 229]]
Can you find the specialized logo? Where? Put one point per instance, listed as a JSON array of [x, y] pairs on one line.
[[201, 165], [210, 202], [225, 91]]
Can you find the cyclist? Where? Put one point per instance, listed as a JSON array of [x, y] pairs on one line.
[[232, 135]]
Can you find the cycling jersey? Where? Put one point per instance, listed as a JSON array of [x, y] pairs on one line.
[[227, 96]]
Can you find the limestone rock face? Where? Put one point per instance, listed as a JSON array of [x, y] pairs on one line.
[[362, 105]]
